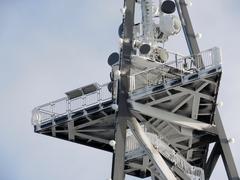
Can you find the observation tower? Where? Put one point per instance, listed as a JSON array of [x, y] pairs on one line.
[[158, 114]]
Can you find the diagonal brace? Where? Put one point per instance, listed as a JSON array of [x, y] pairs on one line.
[[172, 118], [153, 154], [225, 149]]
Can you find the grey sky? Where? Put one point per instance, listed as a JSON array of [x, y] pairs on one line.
[[51, 46]]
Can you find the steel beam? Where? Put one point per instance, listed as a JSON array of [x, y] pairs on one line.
[[71, 130], [182, 102], [180, 173], [167, 98], [172, 118], [123, 89], [153, 154], [92, 123], [195, 93], [212, 160], [93, 138], [225, 149]]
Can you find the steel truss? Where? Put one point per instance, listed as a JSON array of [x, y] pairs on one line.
[[162, 129], [170, 124]]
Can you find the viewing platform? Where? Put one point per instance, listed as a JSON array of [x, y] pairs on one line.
[[174, 102]]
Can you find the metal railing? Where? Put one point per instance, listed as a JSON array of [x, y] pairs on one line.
[[65, 106], [176, 68], [171, 70]]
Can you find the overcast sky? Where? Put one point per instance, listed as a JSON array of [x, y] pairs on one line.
[[49, 47]]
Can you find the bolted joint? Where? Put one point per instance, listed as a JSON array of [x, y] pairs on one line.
[[188, 2], [112, 143], [220, 104], [231, 140], [117, 74], [198, 35], [115, 107]]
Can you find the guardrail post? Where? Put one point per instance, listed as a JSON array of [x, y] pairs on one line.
[[216, 56], [132, 83]]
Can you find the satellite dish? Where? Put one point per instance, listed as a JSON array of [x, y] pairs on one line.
[[168, 7], [145, 48], [113, 58], [120, 31]]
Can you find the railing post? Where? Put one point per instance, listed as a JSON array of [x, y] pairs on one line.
[[52, 112], [68, 103], [216, 56], [132, 83], [176, 60], [99, 99], [84, 101]]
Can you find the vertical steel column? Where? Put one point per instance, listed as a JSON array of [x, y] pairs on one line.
[[123, 89], [225, 149]]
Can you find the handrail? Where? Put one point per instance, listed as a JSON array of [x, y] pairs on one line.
[[156, 75], [174, 69], [64, 106]]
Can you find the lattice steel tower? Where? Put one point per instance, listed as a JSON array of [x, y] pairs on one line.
[[158, 115]]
